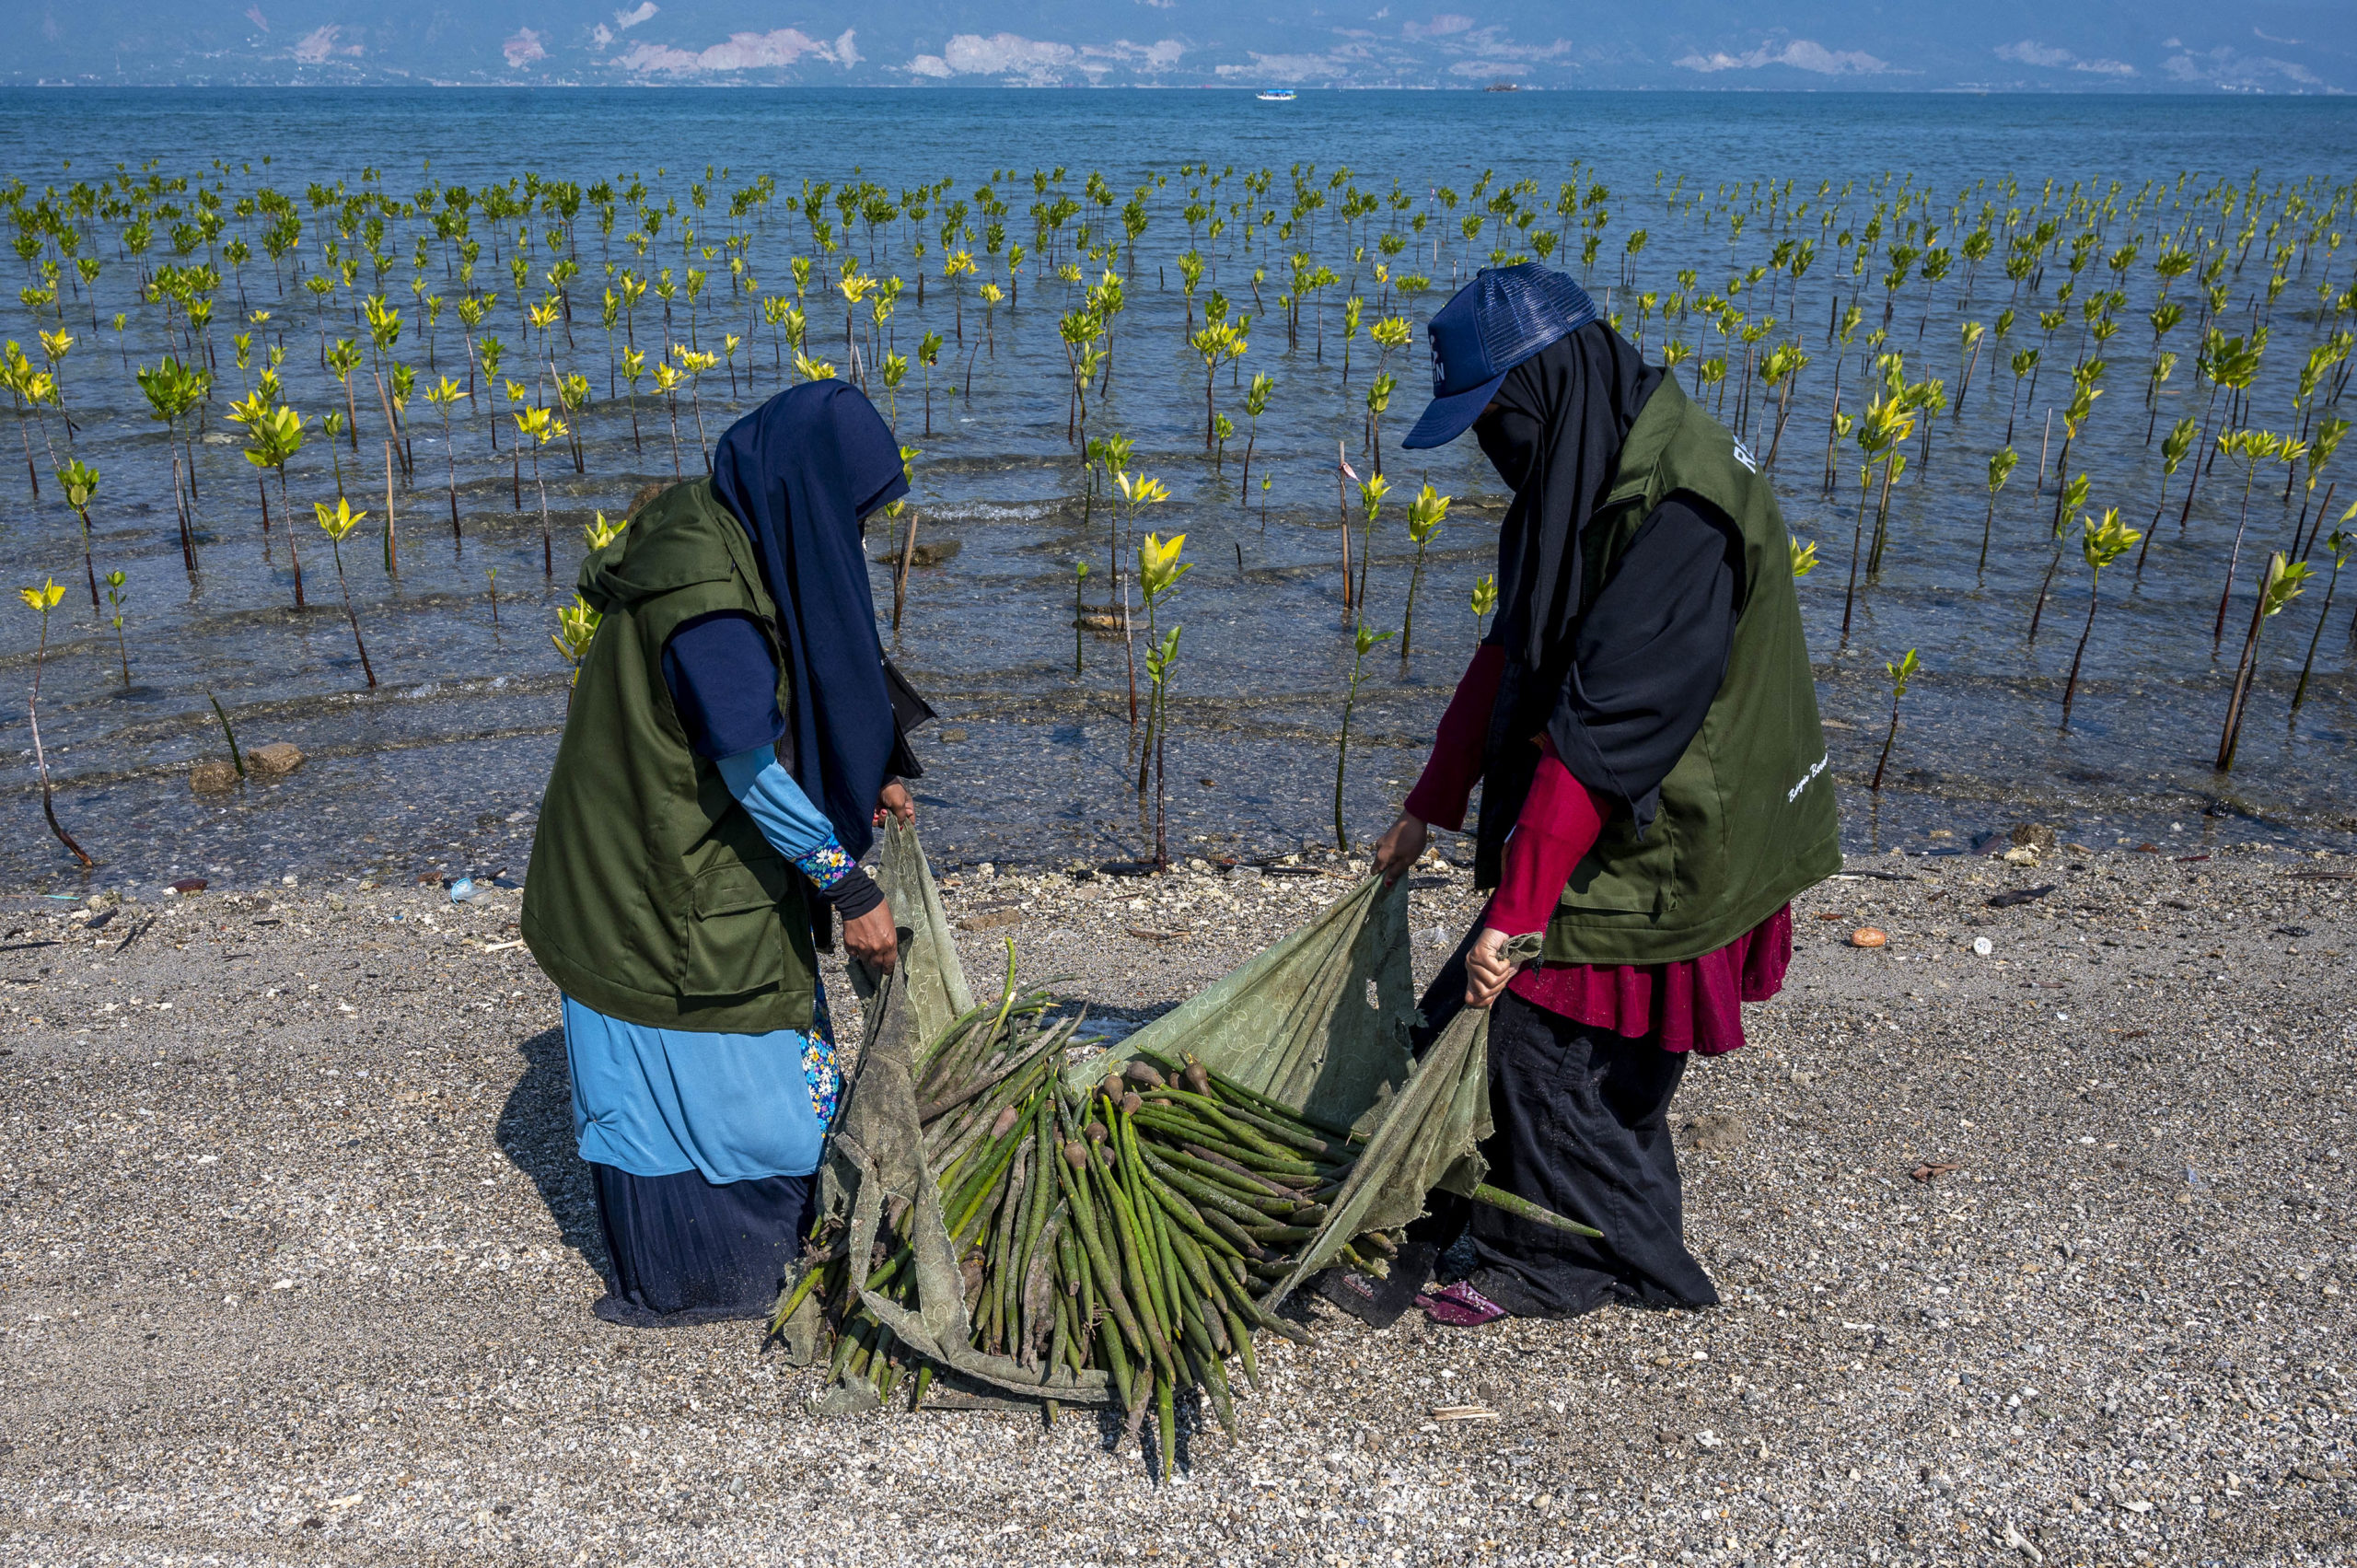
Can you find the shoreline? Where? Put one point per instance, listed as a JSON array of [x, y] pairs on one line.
[[299, 1258]]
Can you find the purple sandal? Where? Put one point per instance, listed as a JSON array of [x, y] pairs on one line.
[[1460, 1306]]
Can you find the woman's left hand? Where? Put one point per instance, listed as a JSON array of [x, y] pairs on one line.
[[893, 801]]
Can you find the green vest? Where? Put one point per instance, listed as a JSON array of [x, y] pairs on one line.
[[653, 896], [1746, 817]]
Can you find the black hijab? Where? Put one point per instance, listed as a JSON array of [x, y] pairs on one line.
[[1555, 432], [799, 473]]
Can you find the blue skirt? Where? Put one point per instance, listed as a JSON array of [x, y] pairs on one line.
[[704, 1149], [687, 1250]]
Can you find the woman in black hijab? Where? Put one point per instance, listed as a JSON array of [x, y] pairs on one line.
[[733, 740], [1589, 688]]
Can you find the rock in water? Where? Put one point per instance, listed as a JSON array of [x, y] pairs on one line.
[[212, 776], [274, 760]]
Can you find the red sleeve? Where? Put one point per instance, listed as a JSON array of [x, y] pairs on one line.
[[1561, 818], [1455, 766]]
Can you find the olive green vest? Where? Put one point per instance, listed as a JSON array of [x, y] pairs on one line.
[[653, 896], [1746, 817]]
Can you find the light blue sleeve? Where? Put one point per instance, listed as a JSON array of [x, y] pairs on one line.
[[799, 830]]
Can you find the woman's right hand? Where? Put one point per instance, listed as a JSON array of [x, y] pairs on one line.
[[1487, 968], [874, 938], [1401, 847]]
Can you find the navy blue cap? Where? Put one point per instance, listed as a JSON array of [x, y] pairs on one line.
[[1502, 318]]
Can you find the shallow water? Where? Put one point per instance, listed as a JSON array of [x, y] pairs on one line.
[[439, 768]]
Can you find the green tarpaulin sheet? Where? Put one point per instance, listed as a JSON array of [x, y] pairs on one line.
[[1318, 1020]]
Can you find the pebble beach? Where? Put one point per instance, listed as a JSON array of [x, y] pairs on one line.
[[2041, 1253]]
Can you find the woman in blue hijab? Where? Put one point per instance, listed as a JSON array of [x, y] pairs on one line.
[[734, 738]]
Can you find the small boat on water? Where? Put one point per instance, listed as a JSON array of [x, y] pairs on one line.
[[1277, 94]]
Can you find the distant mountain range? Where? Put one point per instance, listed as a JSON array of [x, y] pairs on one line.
[[2257, 46]]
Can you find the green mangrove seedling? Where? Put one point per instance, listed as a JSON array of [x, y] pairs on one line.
[[2283, 583], [80, 482], [115, 599], [1363, 637], [1901, 674], [2339, 545], [44, 599], [338, 525], [2001, 463], [2100, 544]]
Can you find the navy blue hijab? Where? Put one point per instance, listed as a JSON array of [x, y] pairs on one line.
[[799, 473]]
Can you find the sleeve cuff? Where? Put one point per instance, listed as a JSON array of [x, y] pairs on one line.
[[853, 894]]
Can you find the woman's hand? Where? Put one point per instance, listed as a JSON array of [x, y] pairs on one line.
[[1401, 847], [893, 800], [874, 938], [1486, 969]]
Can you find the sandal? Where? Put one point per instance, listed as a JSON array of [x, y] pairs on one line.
[[1460, 1306]]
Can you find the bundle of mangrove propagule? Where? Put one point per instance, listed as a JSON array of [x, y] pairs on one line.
[[1133, 1226]]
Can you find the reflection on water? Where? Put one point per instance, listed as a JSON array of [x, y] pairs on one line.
[[440, 768]]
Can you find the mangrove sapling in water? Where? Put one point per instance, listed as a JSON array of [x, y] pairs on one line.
[[2001, 468], [1885, 425], [1344, 477], [331, 426], [2253, 446], [1901, 674], [1802, 558], [1363, 637], [2338, 544], [1371, 493], [1079, 615], [2283, 583], [1485, 599], [1159, 570], [442, 395], [1425, 515], [44, 599], [539, 426], [2321, 446], [907, 561], [1136, 491], [1255, 403], [80, 482], [2100, 544], [1219, 342], [928, 356], [1781, 369], [2074, 495], [2174, 447], [115, 600], [338, 525]]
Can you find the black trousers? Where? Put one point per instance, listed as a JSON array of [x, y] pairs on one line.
[[688, 1251], [1582, 1127]]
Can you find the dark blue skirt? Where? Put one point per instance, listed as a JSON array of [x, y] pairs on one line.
[[688, 1251]]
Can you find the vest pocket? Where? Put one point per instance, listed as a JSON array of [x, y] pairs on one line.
[[735, 937]]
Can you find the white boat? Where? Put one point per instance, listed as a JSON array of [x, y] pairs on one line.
[[1277, 94]]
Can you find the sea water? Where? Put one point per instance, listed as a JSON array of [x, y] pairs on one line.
[[439, 769]]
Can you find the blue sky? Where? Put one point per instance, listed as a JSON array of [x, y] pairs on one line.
[[2271, 46]]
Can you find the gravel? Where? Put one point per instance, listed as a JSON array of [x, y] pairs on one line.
[[2039, 1256]]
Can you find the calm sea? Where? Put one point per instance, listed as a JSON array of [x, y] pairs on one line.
[[438, 770]]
